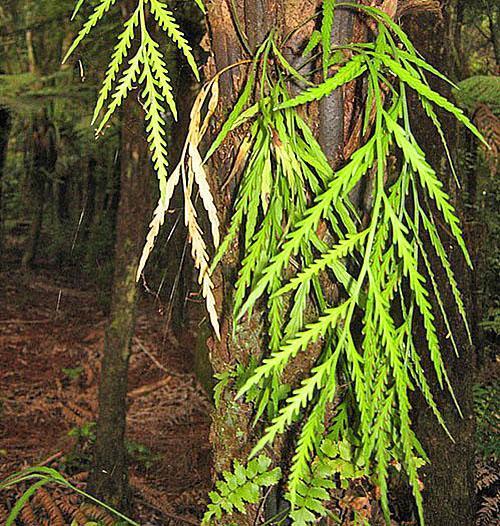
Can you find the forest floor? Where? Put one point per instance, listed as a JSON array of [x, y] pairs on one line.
[[51, 340]]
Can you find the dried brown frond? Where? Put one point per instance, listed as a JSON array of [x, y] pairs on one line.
[[192, 171], [28, 515], [44, 500], [95, 513]]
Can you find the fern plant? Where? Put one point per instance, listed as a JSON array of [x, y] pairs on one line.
[[138, 60], [292, 244], [241, 488]]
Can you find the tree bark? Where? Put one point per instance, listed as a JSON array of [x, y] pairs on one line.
[[109, 478], [449, 480], [5, 124], [235, 35]]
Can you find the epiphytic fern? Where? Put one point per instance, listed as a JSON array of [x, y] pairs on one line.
[[380, 266]]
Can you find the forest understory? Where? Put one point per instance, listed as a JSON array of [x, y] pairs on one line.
[[51, 339]]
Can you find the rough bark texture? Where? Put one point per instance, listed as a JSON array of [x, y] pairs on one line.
[[5, 123], [449, 481], [109, 475]]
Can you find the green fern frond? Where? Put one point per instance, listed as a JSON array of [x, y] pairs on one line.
[[99, 11], [326, 32], [240, 488], [167, 22], [120, 53], [347, 73]]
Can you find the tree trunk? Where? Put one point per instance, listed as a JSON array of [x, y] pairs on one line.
[[449, 480], [109, 479], [232, 434], [40, 158], [5, 124]]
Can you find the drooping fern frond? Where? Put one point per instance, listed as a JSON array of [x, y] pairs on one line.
[[138, 61], [298, 231]]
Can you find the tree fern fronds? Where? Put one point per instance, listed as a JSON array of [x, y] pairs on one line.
[[99, 11], [326, 32], [159, 216], [155, 128], [445, 262], [417, 282], [274, 364], [201, 261], [382, 18], [156, 74], [253, 259], [120, 53], [309, 438], [77, 8], [435, 288], [234, 115], [352, 70], [345, 180], [300, 398], [437, 124], [429, 180], [312, 44], [418, 374], [167, 22]]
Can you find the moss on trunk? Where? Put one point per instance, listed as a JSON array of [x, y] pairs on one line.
[[109, 479]]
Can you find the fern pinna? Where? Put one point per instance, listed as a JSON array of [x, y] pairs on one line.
[[357, 394]]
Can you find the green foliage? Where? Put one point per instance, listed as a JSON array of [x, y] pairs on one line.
[[348, 291], [138, 59], [487, 408], [241, 487], [335, 465], [42, 476], [481, 89], [385, 275]]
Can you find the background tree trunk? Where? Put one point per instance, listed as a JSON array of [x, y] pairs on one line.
[[109, 480], [449, 480], [40, 160], [5, 124]]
